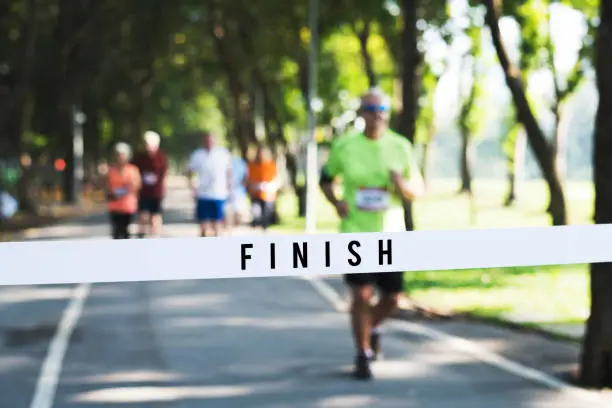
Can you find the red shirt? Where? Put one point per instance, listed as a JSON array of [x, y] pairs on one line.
[[153, 168]]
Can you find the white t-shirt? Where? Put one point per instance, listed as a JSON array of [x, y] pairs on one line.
[[211, 168]]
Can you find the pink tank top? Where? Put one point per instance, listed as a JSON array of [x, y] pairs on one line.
[[119, 184]]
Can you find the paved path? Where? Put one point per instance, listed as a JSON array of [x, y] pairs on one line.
[[276, 342]]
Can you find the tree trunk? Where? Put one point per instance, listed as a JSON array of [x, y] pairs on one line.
[[64, 129], [92, 133], [424, 162], [536, 137], [516, 168], [596, 370], [243, 124], [560, 143], [364, 35], [25, 188], [559, 147], [467, 158], [411, 61], [467, 151]]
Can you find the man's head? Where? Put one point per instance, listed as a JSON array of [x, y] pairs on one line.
[[123, 153], [375, 109], [152, 141], [261, 153], [208, 139]]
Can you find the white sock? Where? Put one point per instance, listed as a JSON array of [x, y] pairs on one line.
[[369, 353]]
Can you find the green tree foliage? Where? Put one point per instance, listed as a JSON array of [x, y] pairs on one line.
[[222, 65]]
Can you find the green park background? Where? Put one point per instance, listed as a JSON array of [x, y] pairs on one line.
[[499, 98]]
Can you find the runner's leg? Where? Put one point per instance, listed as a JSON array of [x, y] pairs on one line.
[[217, 216], [156, 217], [240, 209], [361, 286], [257, 212], [121, 222], [115, 225], [391, 285], [201, 216], [143, 217], [127, 221], [230, 212], [267, 212]]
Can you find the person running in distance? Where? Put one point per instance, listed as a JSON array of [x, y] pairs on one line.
[[378, 168], [263, 187], [238, 199], [212, 166], [122, 186], [153, 166]]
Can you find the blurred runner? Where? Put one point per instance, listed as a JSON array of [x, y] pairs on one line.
[[376, 166], [153, 166], [122, 186], [263, 187], [237, 203], [212, 166]]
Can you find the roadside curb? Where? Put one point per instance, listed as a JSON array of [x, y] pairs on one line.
[[21, 234], [409, 308]]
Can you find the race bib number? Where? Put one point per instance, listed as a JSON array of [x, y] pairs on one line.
[[149, 178], [120, 192], [372, 199]]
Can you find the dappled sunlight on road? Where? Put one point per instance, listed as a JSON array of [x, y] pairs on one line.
[[14, 362], [189, 301], [319, 321], [159, 394], [128, 376], [25, 294]]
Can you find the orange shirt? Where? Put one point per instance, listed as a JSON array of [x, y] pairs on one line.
[[120, 182], [262, 172]]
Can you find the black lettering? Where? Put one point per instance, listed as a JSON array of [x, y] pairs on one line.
[[357, 260], [272, 256], [302, 254], [243, 255], [327, 254], [382, 252]]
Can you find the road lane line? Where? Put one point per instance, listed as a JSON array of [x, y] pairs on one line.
[[465, 346], [46, 385]]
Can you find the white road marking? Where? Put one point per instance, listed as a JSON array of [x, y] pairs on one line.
[[465, 346], [46, 385]]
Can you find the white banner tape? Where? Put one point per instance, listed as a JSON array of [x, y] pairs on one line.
[[91, 261]]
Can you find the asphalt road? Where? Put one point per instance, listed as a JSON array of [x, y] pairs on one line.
[[276, 342]]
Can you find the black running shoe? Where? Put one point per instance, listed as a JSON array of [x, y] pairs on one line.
[[362, 368], [375, 346]]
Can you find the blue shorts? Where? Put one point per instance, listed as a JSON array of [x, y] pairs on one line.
[[210, 210]]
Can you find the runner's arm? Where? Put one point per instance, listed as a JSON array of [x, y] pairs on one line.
[[409, 185], [229, 177], [108, 189], [190, 173], [164, 171], [326, 183], [330, 170], [245, 179], [136, 180]]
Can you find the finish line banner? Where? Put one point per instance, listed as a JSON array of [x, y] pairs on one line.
[[97, 261]]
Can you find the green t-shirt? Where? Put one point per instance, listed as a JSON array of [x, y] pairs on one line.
[[364, 166]]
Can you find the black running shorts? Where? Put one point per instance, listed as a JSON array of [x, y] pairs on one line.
[[387, 282]]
